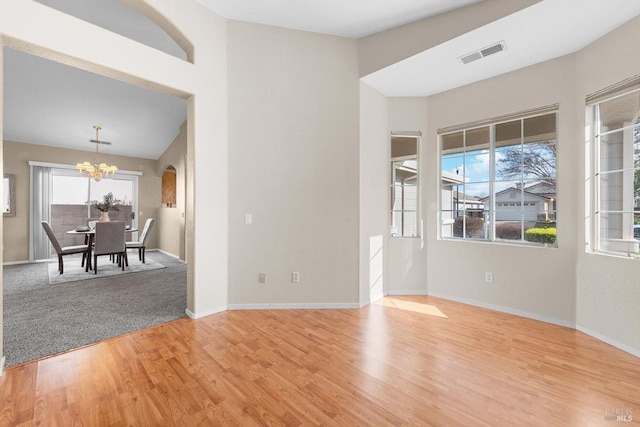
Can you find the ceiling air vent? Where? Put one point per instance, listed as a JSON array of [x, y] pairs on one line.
[[478, 54], [471, 57]]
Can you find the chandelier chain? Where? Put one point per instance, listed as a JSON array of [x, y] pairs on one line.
[[97, 170]]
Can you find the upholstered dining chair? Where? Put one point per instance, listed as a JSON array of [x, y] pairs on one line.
[[66, 250], [90, 223], [141, 244], [109, 240]]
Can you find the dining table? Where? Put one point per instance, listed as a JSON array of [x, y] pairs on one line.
[[90, 234]]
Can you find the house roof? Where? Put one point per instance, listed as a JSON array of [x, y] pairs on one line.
[[458, 195], [542, 187], [507, 190], [451, 178]]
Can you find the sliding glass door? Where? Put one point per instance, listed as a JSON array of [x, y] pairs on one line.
[[60, 196]]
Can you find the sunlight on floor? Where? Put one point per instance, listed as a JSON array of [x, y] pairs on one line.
[[417, 307]]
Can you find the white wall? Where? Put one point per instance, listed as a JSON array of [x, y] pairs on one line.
[[408, 256], [293, 156], [608, 288], [534, 281], [375, 151]]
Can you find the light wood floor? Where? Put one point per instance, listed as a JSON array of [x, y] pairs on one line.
[[415, 361]]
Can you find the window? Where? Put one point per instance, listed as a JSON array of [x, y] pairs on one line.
[[59, 195], [616, 175], [70, 193], [404, 186], [498, 179]]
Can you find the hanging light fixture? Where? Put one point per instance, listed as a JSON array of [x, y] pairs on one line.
[[96, 170]]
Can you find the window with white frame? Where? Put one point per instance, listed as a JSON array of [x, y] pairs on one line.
[[404, 186], [498, 179], [616, 170], [58, 192]]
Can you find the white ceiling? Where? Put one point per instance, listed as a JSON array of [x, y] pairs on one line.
[[48, 103], [345, 18], [546, 30], [51, 104]]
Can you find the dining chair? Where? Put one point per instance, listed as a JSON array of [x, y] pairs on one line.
[[66, 250], [141, 244], [109, 240], [90, 222]]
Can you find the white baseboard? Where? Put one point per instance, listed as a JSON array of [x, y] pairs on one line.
[[2, 361], [605, 339], [166, 253], [198, 315], [507, 310], [17, 262], [294, 306], [401, 292], [376, 297]]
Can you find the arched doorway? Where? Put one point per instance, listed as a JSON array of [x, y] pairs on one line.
[[75, 56]]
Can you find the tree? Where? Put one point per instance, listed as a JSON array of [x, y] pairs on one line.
[[538, 160]]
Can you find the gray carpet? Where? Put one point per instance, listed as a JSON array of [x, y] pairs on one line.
[[42, 319], [74, 271]]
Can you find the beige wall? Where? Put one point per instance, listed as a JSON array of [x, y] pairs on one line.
[[293, 165], [1, 223], [375, 149], [565, 285], [171, 221], [608, 291], [294, 159], [534, 281], [16, 158]]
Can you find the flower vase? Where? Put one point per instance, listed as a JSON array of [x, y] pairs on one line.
[[104, 217]]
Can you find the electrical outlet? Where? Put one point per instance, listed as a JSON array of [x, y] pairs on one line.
[[488, 277], [262, 278], [295, 277]]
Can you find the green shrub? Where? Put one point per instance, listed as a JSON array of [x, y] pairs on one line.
[[473, 227], [509, 230], [545, 224], [540, 235]]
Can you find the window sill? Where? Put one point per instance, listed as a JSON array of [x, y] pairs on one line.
[[619, 255], [501, 242]]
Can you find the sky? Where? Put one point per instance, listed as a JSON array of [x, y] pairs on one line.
[[476, 171], [474, 168], [73, 190]]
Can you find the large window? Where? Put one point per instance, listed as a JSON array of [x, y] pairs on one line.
[[498, 180], [617, 172], [404, 186]]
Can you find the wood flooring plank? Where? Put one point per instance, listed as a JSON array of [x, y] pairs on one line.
[[416, 361]]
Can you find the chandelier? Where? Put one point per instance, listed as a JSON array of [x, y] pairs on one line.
[[96, 170]]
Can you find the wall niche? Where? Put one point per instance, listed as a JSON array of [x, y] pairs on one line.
[[169, 187]]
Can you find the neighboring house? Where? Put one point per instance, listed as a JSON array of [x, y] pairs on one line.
[[537, 202], [449, 200], [471, 205], [544, 188]]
